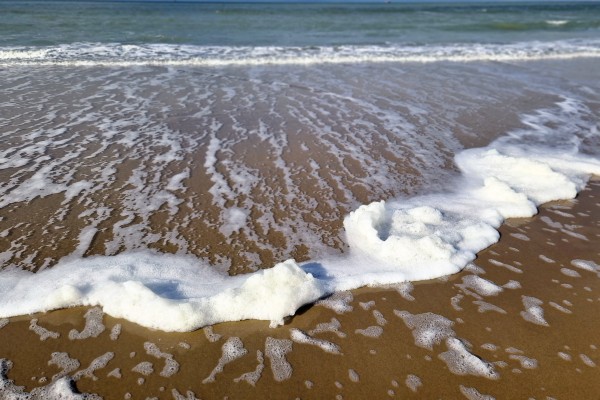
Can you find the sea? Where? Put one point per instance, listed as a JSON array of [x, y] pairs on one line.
[[182, 163]]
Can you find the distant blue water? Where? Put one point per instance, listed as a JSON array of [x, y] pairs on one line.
[[69, 32], [50, 23]]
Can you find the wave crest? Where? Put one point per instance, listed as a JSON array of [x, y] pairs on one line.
[[115, 54]]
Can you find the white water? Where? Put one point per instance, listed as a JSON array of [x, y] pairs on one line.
[[400, 240], [115, 54]]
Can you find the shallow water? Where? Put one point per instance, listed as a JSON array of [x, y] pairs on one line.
[[244, 167]]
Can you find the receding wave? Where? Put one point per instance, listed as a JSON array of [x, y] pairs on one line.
[[98, 54]]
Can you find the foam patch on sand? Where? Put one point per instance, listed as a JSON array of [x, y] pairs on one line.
[[461, 361], [428, 329], [300, 336], [60, 389], [390, 242], [252, 377], [232, 349], [275, 350], [93, 325]]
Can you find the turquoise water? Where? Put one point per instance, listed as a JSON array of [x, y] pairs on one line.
[[49, 23]]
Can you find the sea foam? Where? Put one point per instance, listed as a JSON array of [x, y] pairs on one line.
[[117, 54], [166, 292], [394, 241]]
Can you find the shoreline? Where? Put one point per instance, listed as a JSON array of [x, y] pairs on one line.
[[522, 353], [414, 239]]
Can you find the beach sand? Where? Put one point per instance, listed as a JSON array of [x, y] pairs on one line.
[[519, 322]]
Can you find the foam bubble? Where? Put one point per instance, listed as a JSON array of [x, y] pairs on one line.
[[332, 326], [587, 360], [252, 377], [473, 394], [145, 368], [171, 366], [93, 325], [60, 389], [413, 382], [557, 22], [405, 289], [540, 184], [504, 265], [533, 312], [489, 346], [520, 236], [586, 265], [353, 376], [512, 285], [275, 350], [232, 349], [485, 307], [471, 267], [300, 336], [115, 373], [560, 308], [546, 259], [338, 302], [184, 345], [372, 331], [526, 362], [175, 183], [189, 395], [461, 361], [115, 332], [430, 236], [210, 335], [235, 219], [96, 364], [482, 286], [399, 240], [427, 328], [565, 356], [379, 318], [64, 362], [455, 301], [42, 332]]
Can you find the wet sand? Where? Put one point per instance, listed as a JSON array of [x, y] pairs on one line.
[[159, 158], [533, 332]]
